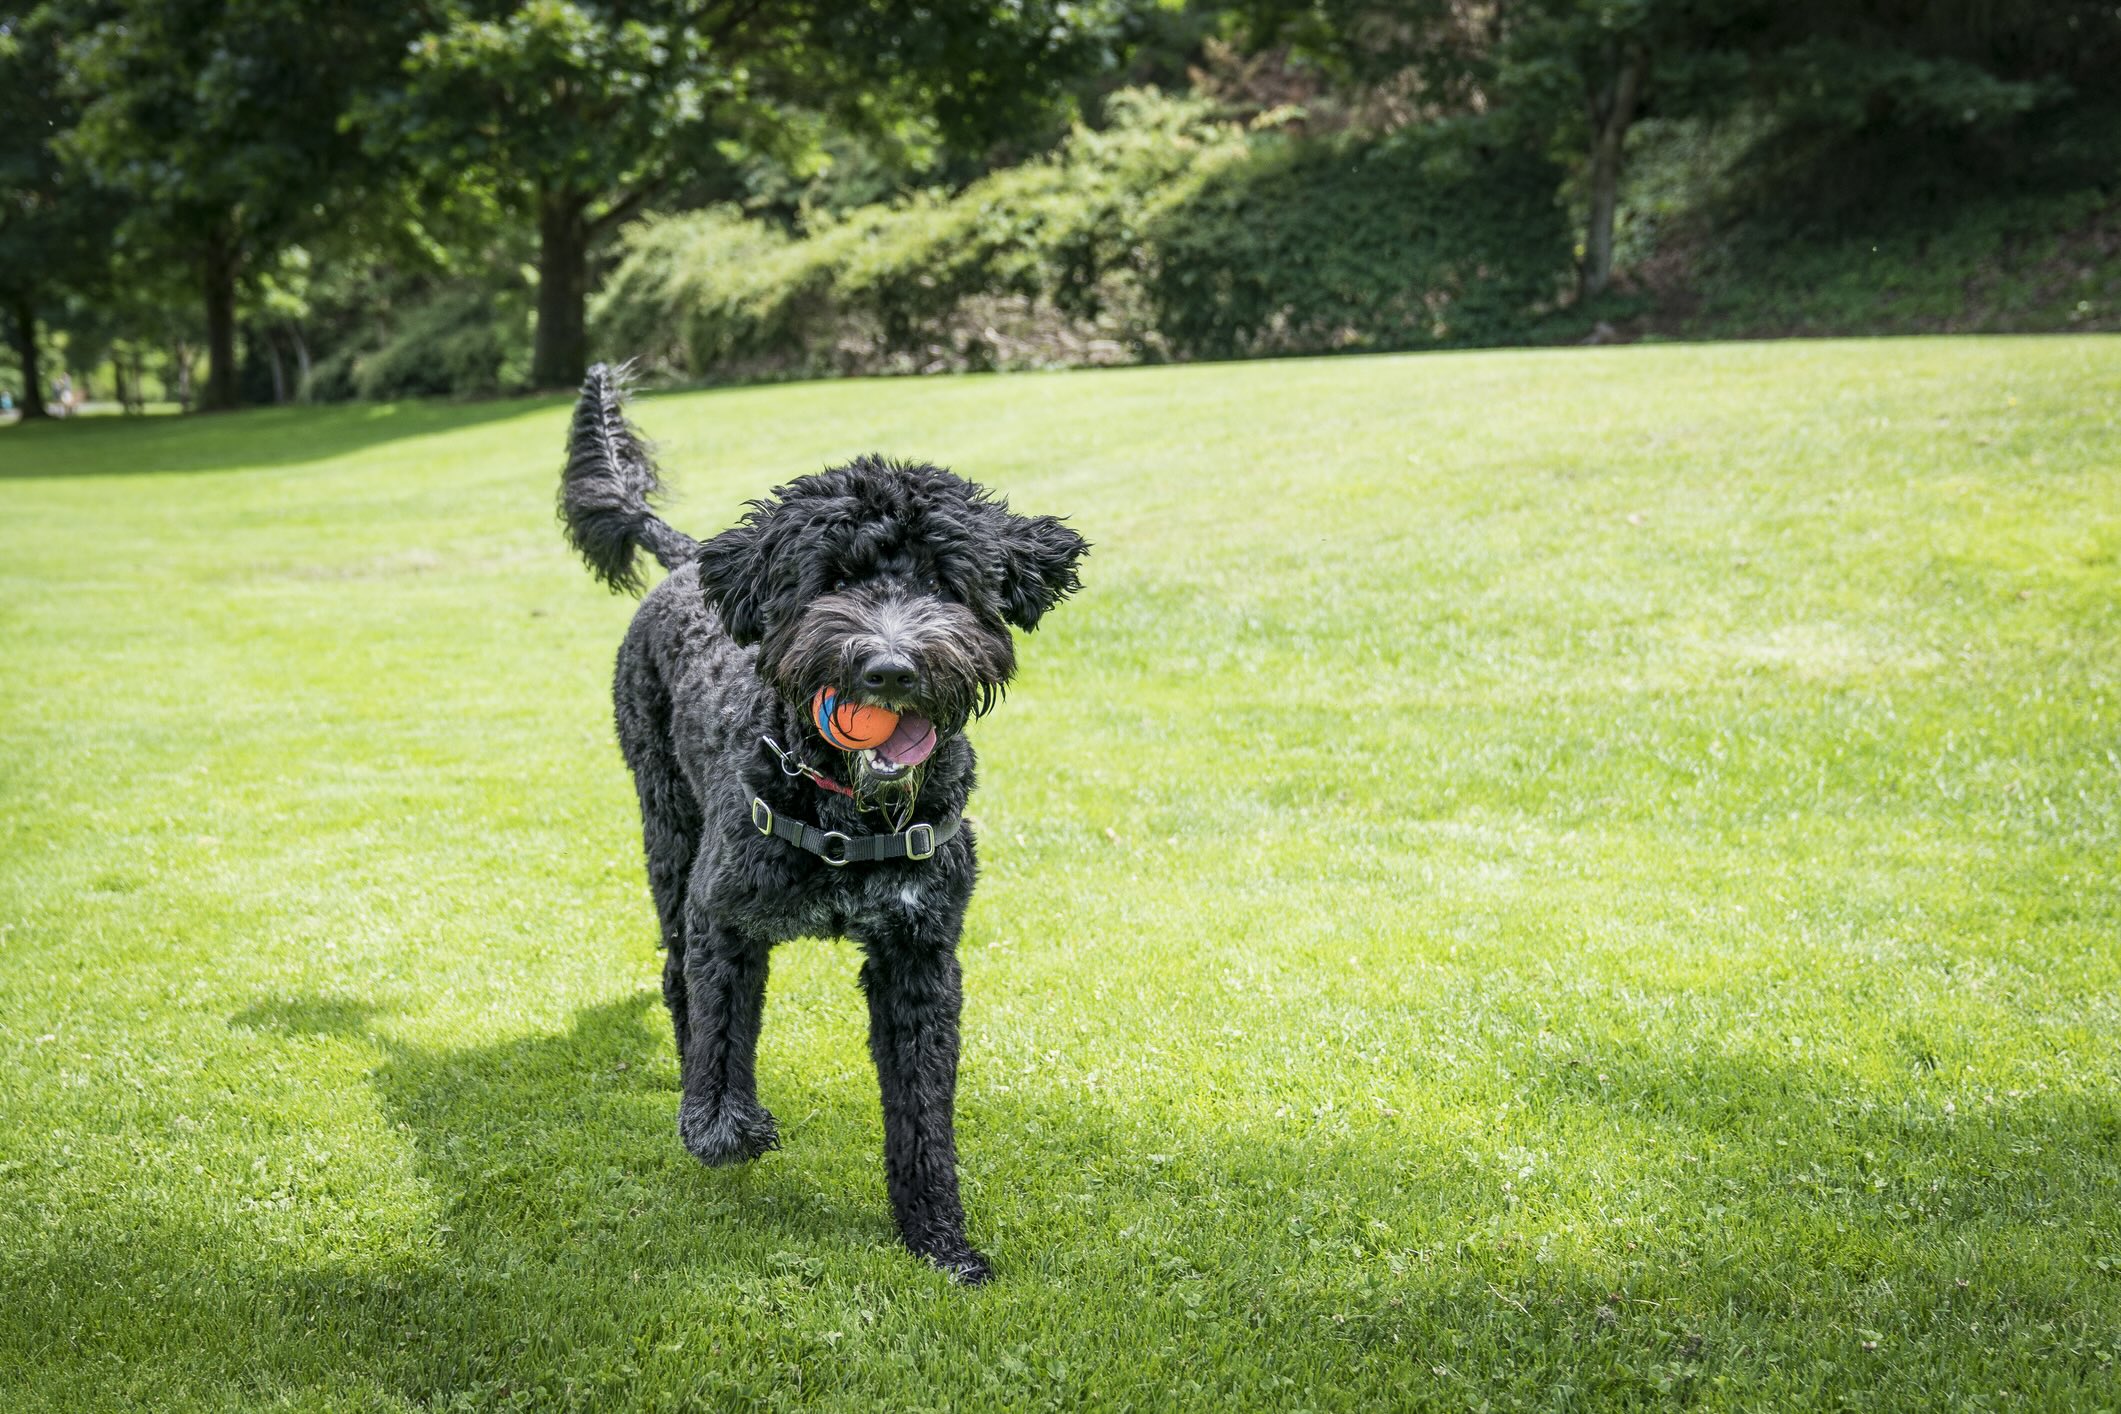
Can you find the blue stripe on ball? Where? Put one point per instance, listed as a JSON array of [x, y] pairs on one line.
[[827, 708]]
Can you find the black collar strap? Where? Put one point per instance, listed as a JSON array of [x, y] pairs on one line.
[[838, 850]]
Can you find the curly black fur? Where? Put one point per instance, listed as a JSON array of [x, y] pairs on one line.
[[609, 487], [831, 574]]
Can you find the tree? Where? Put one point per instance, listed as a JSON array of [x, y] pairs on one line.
[[1579, 73], [580, 115], [1569, 75], [54, 221], [224, 123]]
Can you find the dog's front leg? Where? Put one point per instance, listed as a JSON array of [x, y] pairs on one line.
[[914, 998], [720, 1118]]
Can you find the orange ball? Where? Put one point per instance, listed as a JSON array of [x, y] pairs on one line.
[[851, 726]]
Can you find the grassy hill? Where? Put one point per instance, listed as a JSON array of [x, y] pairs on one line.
[[1541, 879]]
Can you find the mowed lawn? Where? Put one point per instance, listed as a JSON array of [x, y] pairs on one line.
[[1546, 879]]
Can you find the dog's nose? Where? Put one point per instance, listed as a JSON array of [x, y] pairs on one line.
[[890, 673]]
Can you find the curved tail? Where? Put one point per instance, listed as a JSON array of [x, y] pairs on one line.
[[609, 487]]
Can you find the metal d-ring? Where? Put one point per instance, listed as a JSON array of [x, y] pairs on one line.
[[824, 841]]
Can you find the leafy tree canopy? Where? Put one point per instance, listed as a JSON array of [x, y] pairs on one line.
[[584, 113], [222, 122]]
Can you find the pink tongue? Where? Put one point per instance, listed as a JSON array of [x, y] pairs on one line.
[[910, 744]]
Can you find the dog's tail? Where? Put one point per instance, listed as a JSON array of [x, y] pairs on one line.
[[609, 487]]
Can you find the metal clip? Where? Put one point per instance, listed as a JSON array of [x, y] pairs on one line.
[[791, 764]]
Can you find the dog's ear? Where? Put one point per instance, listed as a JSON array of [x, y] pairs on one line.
[[1039, 555], [731, 577]]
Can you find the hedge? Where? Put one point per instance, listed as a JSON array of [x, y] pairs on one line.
[[1166, 234], [1423, 239]]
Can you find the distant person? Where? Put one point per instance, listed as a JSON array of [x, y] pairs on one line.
[[7, 401], [63, 395]]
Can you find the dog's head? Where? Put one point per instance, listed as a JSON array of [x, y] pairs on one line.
[[896, 585]]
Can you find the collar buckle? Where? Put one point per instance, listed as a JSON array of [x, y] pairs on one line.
[[762, 815], [920, 842]]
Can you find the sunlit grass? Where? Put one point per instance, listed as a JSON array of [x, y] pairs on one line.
[[1561, 879]]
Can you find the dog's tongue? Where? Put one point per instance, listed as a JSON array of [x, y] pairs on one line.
[[910, 744]]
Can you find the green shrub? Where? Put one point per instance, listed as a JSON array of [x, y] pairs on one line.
[[465, 339], [1425, 238], [1752, 228], [1167, 232], [331, 378], [1044, 247], [2009, 263], [674, 273]]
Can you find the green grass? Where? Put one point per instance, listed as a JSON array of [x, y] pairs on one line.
[[1559, 880]]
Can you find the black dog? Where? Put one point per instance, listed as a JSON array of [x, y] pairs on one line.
[[892, 585]]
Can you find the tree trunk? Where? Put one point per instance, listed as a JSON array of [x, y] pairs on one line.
[[181, 356], [279, 370], [562, 349], [1612, 114], [26, 349], [1597, 269], [220, 273], [139, 380], [294, 331]]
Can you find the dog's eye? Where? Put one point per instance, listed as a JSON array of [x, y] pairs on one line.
[[935, 584], [839, 586]]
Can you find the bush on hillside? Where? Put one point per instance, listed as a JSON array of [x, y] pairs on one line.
[[1424, 238], [465, 339], [1027, 265], [669, 278], [1167, 233], [2008, 264], [1762, 228]]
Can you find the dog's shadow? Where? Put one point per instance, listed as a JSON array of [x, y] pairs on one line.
[[566, 1143], [541, 1183]]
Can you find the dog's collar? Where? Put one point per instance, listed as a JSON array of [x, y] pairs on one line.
[[839, 850]]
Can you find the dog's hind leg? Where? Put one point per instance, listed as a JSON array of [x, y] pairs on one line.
[[720, 1117], [672, 839], [670, 817]]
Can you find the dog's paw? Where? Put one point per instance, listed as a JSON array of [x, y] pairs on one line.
[[727, 1134], [965, 1266]]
